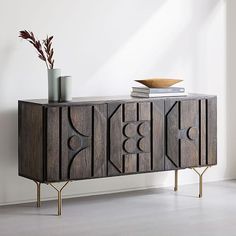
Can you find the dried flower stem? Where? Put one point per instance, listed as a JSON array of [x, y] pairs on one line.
[[49, 51], [29, 36]]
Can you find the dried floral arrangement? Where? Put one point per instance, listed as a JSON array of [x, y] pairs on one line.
[[44, 48]]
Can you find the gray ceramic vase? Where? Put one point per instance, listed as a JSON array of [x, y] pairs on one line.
[[53, 85], [65, 88]]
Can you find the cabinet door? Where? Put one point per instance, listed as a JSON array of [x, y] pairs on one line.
[[83, 141], [52, 144], [136, 137], [190, 133]]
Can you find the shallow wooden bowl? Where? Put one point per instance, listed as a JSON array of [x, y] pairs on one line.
[[159, 83]]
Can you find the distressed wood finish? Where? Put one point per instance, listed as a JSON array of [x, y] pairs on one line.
[[145, 162], [211, 131], [191, 129], [203, 132], [100, 141], [65, 151], [144, 111], [172, 139], [83, 138], [100, 138], [53, 144], [129, 112], [115, 136], [130, 162], [158, 136], [80, 164], [30, 136], [189, 141], [136, 137]]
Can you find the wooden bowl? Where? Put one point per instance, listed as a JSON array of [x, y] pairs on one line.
[[159, 83]]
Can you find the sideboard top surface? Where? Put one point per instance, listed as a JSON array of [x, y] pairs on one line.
[[111, 99]]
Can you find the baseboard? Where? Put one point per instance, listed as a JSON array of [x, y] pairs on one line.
[[111, 191]]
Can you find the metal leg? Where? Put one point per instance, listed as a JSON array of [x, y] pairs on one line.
[[200, 180], [59, 199], [176, 181], [38, 193]]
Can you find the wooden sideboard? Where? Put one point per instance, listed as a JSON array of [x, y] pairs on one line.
[[112, 136]]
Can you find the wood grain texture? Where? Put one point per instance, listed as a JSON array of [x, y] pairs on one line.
[[158, 135], [203, 132], [144, 110], [82, 140], [129, 112], [81, 165], [134, 121], [212, 131], [81, 125], [100, 140], [144, 144], [130, 145], [145, 162], [75, 142], [144, 128], [30, 141], [81, 119], [130, 130], [79, 101], [189, 123], [130, 162], [172, 139], [53, 144], [83, 136], [116, 139], [112, 170], [65, 133]]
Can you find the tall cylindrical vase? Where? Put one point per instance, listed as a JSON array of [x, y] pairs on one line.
[[65, 88], [53, 85]]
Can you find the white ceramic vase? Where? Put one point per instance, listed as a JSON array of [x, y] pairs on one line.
[[65, 88], [53, 85]]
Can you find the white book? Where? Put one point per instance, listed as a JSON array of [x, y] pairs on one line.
[[158, 90], [153, 95]]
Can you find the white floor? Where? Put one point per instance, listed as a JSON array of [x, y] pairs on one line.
[[159, 212]]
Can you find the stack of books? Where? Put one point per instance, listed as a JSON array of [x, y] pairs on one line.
[[146, 92]]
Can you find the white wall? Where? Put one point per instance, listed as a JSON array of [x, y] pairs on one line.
[[231, 85], [105, 45]]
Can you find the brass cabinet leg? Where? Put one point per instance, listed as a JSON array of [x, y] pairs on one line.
[[59, 199], [200, 180], [38, 193], [176, 181]]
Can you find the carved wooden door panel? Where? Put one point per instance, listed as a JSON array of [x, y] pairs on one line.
[[190, 133], [83, 141], [136, 137]]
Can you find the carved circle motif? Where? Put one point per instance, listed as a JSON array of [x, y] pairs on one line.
[[144, 144], [130, 145], [144, 129], [130, 130], [192, 133], [75, 143]]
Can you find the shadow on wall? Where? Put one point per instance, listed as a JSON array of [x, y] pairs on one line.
[[8, 150], [8, 137], [158, 46], [102, 28], [184, 47], [8, 116]]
